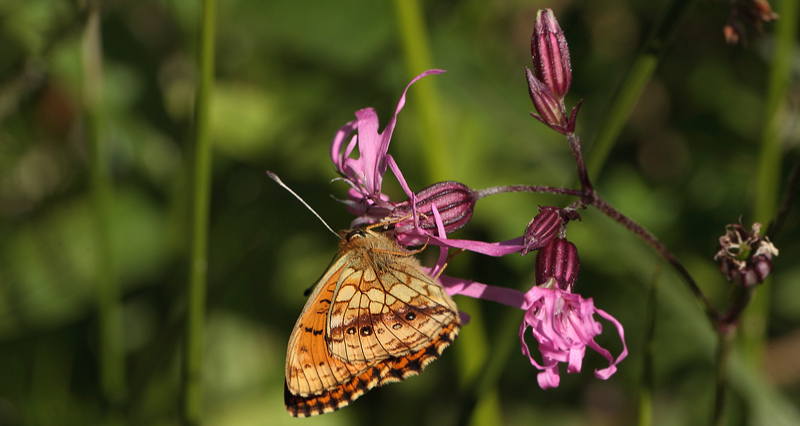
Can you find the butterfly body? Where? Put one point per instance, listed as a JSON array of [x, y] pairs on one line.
[[374, 318]]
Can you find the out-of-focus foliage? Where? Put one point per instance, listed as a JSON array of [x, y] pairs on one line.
[[289, 74]]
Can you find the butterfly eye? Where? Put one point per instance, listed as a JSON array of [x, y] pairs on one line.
[[355, 234], [366, 331], [411, 316]]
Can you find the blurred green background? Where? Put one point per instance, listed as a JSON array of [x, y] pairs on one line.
[[288, 75]]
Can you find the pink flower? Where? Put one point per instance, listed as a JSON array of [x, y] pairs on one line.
[[563, 324], [561, 321], [447, 203], [365, 173]]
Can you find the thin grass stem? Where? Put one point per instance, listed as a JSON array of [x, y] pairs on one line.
[[192, 410], [725, 335], [634, 84], [471, 347], [754, 320], [417, 55], [647, 389], [111, 345]]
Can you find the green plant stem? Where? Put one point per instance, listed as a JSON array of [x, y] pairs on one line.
[[648, 373], [471, 345], [112, 354], [192, 412], [754, 320], [725, 336], [417, 54], [632, 87], [789, 196], [481, 387]]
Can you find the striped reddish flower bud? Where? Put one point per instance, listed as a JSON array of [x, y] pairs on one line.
[[557, 265], [550, 54], [550, 108], [545, 226], [745, 257], [552, 74], [454, 201]]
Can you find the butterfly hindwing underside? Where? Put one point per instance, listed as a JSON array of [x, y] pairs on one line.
[[374, 318]]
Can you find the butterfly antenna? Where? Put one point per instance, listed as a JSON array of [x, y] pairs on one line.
[[278, 180]]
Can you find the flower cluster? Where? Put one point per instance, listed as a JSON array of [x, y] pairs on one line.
[[747, 13], [560, 320], [745, 257]]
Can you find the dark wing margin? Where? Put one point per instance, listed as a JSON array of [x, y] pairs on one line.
[[386, 371]]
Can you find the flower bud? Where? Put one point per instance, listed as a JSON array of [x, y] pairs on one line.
[[552, 74], [551, 109], [550, 54], [453, 200], [557, 261], [545, 226], [745, 257]]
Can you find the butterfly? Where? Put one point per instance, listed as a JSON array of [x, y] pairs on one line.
[[374, 318]]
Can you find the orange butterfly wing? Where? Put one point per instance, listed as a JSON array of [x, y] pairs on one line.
[[374, 318]]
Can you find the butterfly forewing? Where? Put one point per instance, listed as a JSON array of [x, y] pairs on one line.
[[375, 317]]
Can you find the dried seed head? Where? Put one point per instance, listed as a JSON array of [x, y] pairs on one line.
[[745, 257]]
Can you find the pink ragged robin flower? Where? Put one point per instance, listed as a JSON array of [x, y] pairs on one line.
[[365, 173], [417, 219], [563, 324], [561, 321]]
